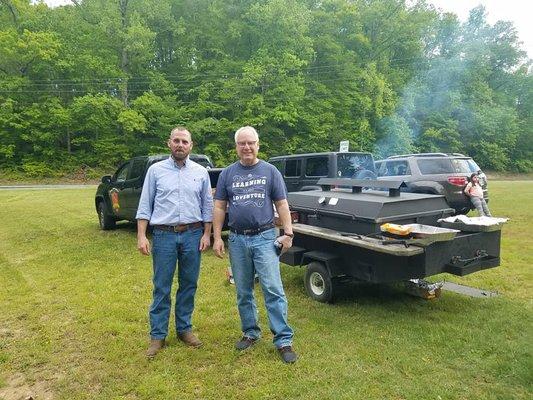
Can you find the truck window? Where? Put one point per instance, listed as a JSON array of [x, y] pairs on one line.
[[381, 168], [293, 168], [431, 166], [462, 165], [473, 166], [122, 173], [394, 168], [317, 166], [349, 165], [137, 168], [278, 164]]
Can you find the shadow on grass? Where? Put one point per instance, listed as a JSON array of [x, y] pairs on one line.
[[126, 226], [389, 296], [363, 293], [352, 291]]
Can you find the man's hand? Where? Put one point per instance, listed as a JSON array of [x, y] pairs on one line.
[[143, 244], [205, 242], [218, 247], [286, 241]]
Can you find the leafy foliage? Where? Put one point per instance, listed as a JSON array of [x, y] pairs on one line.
[[94, 82]]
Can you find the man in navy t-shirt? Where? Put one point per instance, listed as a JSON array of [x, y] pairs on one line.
[[252, 188]]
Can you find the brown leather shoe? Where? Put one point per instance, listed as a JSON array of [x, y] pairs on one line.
[[189, 339], [155, 346]]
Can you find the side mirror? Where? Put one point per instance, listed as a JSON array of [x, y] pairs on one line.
[[106, 179], [479, 172]]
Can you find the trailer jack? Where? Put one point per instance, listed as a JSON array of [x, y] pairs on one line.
[[424, 289]]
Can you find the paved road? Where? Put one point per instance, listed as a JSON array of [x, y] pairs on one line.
[[31, 187]]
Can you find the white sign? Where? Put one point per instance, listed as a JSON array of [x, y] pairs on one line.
[[344, 146]]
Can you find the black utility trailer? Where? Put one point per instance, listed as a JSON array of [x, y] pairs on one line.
[[338, 236]]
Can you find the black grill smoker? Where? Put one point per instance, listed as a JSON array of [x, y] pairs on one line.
[[338, 236]]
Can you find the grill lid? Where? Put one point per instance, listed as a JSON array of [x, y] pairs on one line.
[[377, 206]]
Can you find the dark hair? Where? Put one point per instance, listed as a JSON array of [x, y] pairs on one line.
[[471, 176]]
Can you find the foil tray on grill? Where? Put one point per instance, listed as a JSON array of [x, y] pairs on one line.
[[437, 234], [473, 224]]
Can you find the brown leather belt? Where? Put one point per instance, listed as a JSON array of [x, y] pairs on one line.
[[179, 228]]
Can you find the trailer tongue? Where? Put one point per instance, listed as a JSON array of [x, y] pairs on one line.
[[338, 236]]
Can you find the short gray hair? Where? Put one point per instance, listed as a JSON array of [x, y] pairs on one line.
[[246, 129]]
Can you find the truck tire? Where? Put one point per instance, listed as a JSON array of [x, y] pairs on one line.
[[318, 284], [106, 221]]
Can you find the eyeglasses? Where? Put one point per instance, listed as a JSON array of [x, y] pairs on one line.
[[243, 144]]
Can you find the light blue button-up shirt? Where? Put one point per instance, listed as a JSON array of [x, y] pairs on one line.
[[175, 195]]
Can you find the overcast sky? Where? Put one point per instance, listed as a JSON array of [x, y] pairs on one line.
[[517, 11]]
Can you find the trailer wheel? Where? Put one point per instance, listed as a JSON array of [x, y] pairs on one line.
[[318, 282]]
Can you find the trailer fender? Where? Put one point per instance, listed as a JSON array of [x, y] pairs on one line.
[[331, 261]]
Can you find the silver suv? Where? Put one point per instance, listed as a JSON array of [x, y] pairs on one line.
[[434, 173]]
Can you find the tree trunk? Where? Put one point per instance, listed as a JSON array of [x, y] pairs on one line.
[[69, 147]]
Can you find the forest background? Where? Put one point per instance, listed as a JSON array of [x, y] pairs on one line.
[[85, 86]]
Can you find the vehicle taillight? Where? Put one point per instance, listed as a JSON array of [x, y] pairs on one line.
[[295, 217], [457, 180]]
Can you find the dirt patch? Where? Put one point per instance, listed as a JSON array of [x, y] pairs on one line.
[[18, 389], [9, 333]]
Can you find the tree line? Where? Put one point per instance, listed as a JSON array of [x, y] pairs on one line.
[[98, 81]]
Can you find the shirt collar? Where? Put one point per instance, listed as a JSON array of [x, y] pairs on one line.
[[173, 163]]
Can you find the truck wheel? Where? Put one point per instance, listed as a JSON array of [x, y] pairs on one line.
[[318, 283], [106, 221]]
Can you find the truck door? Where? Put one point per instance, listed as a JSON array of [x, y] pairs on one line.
[[132, 188], [292, 175], [315, 168], [116, 188]]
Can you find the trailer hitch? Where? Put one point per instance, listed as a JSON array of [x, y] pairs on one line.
[[479, 255]]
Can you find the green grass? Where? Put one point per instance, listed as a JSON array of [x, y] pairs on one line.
[[73, 321]]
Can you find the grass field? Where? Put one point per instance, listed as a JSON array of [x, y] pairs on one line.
[[73, 321]]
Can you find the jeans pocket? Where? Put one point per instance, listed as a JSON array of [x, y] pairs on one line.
[[269, 234], [231, 237], [198, 230]]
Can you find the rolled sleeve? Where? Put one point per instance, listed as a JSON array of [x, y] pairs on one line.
[[146, 202], [207, 199]]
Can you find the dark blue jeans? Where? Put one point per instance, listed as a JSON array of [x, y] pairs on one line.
[[169, 248]]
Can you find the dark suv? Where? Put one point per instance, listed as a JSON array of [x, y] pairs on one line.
[[302, 171], [434, 173]]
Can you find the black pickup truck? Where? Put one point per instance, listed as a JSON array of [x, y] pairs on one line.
[[117, 197]]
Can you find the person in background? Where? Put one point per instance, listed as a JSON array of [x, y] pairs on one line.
[[177, 202], [475, 192], [252, 187]]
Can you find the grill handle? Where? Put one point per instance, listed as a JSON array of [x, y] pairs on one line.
[[357, 185], [479, 255]]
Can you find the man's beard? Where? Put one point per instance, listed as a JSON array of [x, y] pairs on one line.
[[179, 156]]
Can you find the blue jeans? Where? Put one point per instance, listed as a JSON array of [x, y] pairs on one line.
[[256, 254], [169, 248]]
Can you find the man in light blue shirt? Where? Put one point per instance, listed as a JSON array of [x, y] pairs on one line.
[[176, 201]]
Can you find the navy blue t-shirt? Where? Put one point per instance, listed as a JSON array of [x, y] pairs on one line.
[[250, 192]]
